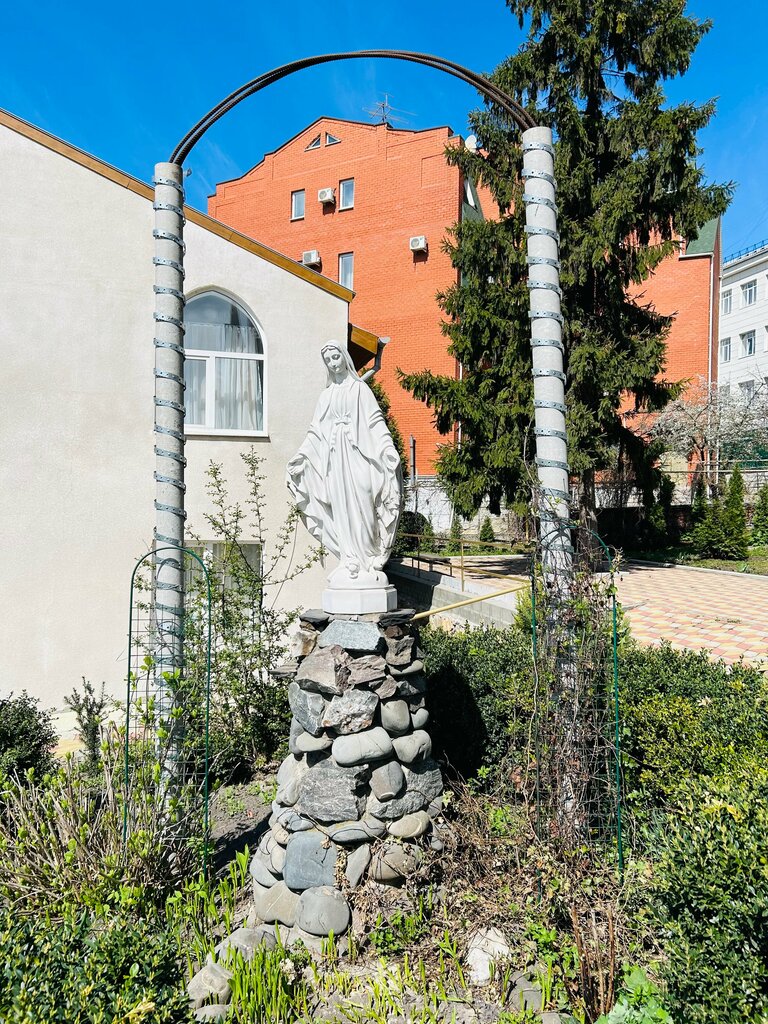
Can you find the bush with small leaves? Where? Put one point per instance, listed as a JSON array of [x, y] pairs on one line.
[[27, 736]]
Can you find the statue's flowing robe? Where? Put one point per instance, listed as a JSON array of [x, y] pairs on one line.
[[349, 487]]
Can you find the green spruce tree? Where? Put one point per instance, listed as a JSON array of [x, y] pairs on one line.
[[629, 186], [760, 517], [486, 535], [736, 538]]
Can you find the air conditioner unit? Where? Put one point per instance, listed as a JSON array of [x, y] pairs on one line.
[[311, 258], [418, 243], [326, 195]]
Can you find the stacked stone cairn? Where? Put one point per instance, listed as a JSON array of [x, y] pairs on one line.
[[358, 791]]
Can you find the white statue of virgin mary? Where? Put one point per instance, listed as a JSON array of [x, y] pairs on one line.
[[346, 480]]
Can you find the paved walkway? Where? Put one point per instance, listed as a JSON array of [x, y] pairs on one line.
[[723, 613]]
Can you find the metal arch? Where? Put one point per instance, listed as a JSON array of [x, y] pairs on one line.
[[519, 115]]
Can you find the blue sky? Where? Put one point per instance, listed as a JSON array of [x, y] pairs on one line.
[[103, 77]]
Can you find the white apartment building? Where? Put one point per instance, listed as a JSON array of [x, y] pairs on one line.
[[743, 350]]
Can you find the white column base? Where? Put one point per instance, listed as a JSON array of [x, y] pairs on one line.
[[359, 602]]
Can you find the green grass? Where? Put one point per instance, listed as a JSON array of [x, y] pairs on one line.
[[755, 564]]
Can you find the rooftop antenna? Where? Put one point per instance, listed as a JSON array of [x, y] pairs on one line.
[[382, 112]]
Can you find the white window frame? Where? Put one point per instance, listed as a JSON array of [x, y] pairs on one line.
[[747, 388], [342, 204], [749, 293], [725, 350], [209, 428], [726, 302], [748, 341], [343, 256], [303, 193]]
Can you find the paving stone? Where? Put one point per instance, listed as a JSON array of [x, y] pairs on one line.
[[353, 711], [308, 708], [423, 782], [395, 717], [414, 747], [210, 982], [324, 671], [310, 861], [400, 651], [360, 637], [410, 826], [302, 643], [329, 793], [357, 864], [276, 904], [419, 718], [367, 670], [244, 941], [362, 747], [323, 910], [387, 781]]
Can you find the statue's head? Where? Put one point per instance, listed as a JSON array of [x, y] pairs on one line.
[[338, 362]]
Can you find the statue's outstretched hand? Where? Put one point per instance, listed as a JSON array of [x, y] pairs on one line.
[[296, 464]]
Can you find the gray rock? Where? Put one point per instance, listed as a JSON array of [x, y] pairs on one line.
[[414, 747], [526, 996], [288, 819], [351, 712], [454, 1012], [291, 768], [309, 744], [282, 835], [486, 947], [400, 651], [323, 910], [286, 671], [310, 860], [412, 686], [387, 781], [410, 826], [367, 670], [272, 853], [393, 862], [275, 904], [261, 871], [324, 671], [314, 617], [303, 643], [210, 982], [308, 708], [363, 831], [330, 793], [423, 782], [387, 688], [550, 1017], [395, 717], [435, 807], [419, 718], [437, 845], [360, 637], [362, 747], [214, 1011], [397, 617], [244, 941], [408, 670], [357, 864]]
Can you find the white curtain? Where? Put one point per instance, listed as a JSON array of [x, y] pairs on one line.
[[194, 397], [239, 394]]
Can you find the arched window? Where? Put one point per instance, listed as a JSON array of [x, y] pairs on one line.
[[224, 367]]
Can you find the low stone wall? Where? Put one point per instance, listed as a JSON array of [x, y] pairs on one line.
[[358, 791]]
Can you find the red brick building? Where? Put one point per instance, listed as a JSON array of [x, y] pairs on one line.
[[348, 198]]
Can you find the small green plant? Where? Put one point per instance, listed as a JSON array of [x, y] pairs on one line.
[[760, 517], [27, 737], [638, 1002], [487, 536], [91, 713], [455, 537], [392, 936]]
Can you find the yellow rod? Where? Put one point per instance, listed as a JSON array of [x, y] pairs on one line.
[[469, 600]]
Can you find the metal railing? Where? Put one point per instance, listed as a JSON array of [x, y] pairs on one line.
[[746, 252]]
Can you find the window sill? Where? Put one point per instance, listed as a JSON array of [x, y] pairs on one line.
[[342, 209], [211, 434], [294, 219]]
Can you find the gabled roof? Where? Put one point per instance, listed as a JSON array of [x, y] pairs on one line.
[[704, 244], [114, 174]]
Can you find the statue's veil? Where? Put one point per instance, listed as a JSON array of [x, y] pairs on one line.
[[347, 359]]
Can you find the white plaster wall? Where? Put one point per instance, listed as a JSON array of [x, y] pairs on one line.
[[745, 318], [76, 416]]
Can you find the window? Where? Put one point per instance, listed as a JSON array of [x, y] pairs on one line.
[[749, 293], [748, 344], [725, 302], [747, 388], [297, 205], [347, 269], [331, 140], [224, 367], [315, 143], [725, 350], [347, 194]]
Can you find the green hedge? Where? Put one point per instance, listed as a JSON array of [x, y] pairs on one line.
[[27, 736], [73, 971]]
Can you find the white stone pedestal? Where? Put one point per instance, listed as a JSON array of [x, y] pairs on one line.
[[359, 602]]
